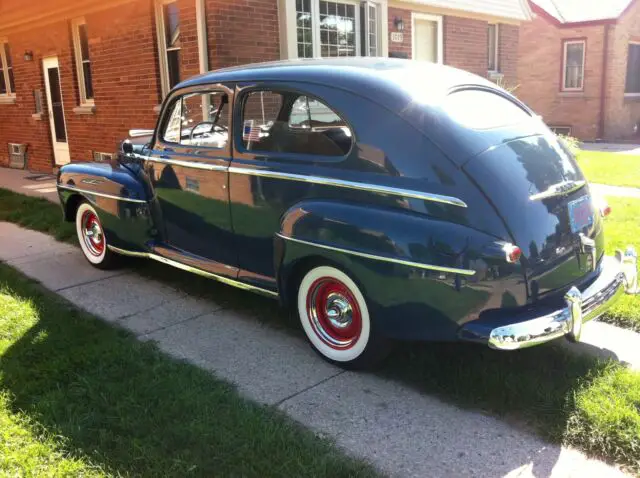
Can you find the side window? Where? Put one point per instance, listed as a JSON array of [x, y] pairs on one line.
[[199, 119], [290, 123]]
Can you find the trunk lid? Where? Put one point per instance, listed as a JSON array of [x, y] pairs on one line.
[[537, 188]]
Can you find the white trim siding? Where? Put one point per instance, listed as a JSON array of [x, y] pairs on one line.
[[511, 9]]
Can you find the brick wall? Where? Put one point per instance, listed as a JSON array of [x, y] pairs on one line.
[[508, 41], [540, 73], [621, 112], [465, 44]]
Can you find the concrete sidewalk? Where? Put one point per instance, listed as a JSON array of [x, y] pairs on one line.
[[399, 430], [617, 191], [620, 148], [32, 184]]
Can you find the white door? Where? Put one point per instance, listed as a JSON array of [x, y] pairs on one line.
[[427, 37], [56, 111]]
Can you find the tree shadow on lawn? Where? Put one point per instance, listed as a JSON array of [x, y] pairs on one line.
[[532, 388], [128, 409]]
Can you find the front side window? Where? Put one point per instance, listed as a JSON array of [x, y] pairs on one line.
[[573, 65], [337, 28], [169, 44], [83, 62], [492, 47], [291, 123], [199, 119], [7, 80], [632, 85]]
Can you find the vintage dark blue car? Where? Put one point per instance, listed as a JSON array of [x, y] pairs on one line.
[[381, 199]]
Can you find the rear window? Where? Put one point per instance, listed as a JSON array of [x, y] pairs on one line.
[[481, 109]]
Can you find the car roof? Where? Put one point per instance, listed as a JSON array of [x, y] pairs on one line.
[[377, 78]]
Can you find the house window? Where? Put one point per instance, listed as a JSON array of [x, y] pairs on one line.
[[632, 85], [83, 62], [492, 47], [168, 31], [573, 65], [7, 80], [337, 28]]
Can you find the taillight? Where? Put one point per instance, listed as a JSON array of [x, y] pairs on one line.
[[605, 211], [512, 253], [601, 205]]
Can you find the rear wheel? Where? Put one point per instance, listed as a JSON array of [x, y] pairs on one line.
[[335, 317], [92, 238]]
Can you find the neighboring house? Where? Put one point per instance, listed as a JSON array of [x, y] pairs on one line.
[[580, 66], [76, 75]]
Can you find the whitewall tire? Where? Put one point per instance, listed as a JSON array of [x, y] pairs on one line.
[[334, 315], [91, 236]]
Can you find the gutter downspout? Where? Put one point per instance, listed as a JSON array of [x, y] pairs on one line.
[[201, 27], [603, 83]]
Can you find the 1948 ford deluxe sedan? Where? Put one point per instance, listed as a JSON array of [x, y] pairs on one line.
[[381, 199]]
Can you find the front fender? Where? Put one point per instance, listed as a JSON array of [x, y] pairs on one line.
[[121, 195], [423, 277]]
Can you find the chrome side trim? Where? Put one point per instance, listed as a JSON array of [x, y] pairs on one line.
[[135, 133], [187, 164], [559, 189], [195, 270], [418, 265], [351, 185], [110, 196]]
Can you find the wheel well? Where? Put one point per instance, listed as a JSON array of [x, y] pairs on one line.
[[73, 203], [299, 269]]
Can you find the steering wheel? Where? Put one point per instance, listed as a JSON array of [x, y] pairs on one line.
[[215, 128]]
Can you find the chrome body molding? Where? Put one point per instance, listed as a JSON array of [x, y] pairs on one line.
[[351, 185], [136, 133], [339, 183], [104, 195], [559, 189], [195, 270], [186, 164], [580, 307], [418, 265]]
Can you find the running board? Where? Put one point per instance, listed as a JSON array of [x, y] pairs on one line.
[[195, 270]]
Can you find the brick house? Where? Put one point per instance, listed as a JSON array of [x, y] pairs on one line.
[[580, 66], [76, 75]]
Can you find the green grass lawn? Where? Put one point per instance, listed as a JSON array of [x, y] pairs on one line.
[[80, 397], [610, 168], [545, 389]]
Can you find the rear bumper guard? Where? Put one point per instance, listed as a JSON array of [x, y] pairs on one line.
[[619, 275]]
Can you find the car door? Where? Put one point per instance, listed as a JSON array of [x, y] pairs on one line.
[[279, 132], [188, 168]]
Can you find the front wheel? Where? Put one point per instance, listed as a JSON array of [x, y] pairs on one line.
[[92, 238], [335, 317]]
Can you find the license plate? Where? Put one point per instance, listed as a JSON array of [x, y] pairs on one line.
[[580, 214]]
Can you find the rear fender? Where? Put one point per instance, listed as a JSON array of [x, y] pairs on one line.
[[422, 277], [120, 194]]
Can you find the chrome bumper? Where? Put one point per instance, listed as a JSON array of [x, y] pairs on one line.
[[618, 275]]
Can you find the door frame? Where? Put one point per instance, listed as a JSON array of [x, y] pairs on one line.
[[61, 154], [440, 36]]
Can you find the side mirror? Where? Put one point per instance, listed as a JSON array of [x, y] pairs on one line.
[[127, 147]]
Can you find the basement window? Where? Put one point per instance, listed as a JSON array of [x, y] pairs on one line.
[[632, 85], [169, 45], [7, 80], [83, 62]]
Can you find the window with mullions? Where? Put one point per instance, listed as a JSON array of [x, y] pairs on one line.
[[7, 80], [83, 62], [169, 44], [339, 28]]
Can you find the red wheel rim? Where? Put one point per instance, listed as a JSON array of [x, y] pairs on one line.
[[334, 313], [92, 233]]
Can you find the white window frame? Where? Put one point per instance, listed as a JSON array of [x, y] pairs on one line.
[[162, 46], [77, 48], [288, 26], [367, 36], [10, 94], [565, 45], [433, 18], [630, 95], [496, 58]]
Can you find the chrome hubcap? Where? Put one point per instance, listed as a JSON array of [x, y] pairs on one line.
[[339, 311], [93, 234]]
